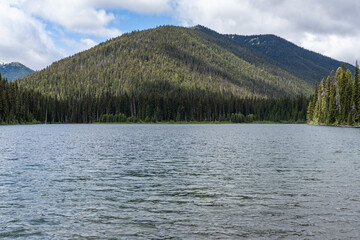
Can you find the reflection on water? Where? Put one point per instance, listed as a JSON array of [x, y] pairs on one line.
[[179, 181]]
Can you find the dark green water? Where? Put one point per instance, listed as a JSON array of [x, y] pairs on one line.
[[179, 181]]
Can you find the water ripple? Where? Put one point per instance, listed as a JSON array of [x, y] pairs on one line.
[[179, 181]]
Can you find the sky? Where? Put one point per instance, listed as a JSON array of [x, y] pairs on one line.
[[39, 32]]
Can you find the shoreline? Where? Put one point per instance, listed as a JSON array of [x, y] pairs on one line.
[[337, 125], [156, 123], [207, 122]]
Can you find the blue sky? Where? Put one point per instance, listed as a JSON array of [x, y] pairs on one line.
[[129, 21], [125, 21], [39, 32]]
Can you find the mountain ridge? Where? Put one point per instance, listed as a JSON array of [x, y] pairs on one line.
[[14, 70], [296, 60], [286, 55]]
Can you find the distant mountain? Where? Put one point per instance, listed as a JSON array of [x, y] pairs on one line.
[[14, 70], [302, 63]]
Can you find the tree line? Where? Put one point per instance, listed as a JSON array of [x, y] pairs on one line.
[[21, 105], [336, 100]]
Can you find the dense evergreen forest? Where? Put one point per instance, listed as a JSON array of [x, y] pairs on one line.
[[19, 105], [336, 100]]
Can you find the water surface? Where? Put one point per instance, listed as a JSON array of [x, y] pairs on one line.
[[179, 181]]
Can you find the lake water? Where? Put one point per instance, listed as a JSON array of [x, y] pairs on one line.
[[179, 181]]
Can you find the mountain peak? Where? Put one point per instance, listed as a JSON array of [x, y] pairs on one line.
[[14, 70], [199, 27]]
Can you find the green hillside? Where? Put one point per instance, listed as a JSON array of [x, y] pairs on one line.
[[165, 59], [14, 70]]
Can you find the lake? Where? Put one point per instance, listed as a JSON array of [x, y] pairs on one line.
[[179, 181]]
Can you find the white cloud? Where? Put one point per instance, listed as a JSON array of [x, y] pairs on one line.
[[89, 16], [334, 24], [139, 6], [25, 39], [345, 48], [31, 30], [75, 46], [75, 16], [87, 43]]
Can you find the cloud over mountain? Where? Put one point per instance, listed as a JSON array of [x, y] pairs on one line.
[[38, 32]]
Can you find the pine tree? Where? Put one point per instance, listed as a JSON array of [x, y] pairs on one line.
[[341, 96], [310, 112], [322, 104], [348, 97], [312, 103], [356, 94], [332, 112], [319, 104]]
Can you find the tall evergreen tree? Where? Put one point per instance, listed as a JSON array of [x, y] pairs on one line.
[[356, 94], [312, 103], [337, 99], [332, 110], [348, 97]]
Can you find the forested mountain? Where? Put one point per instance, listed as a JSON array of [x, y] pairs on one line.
[[163, 60], [162, 74], [169, 74], [302, 63], [14, 70]]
